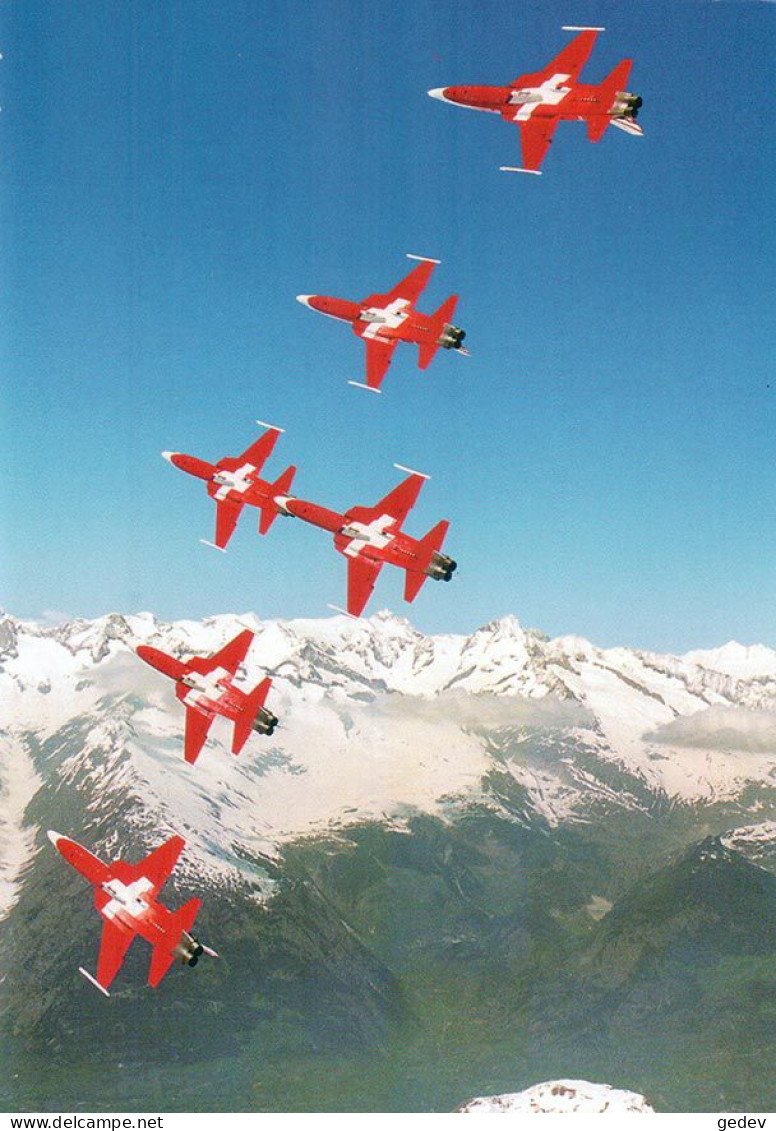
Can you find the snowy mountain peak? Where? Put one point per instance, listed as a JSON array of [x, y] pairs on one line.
[[562, 1096], [738, 660]]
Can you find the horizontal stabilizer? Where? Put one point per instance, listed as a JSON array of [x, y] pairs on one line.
[[439, 320], [597, 127], [281, 486], [427, 547], [163, 955], [250, 708]]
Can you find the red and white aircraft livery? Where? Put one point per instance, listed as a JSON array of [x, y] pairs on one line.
[[204, 685], [371, 536], [382, 321], [235, 481], [125, 896], [537, 102]]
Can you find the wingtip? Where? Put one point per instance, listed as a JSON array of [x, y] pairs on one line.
[[90, 978], [411, 471], [342, 612], [361, 385]]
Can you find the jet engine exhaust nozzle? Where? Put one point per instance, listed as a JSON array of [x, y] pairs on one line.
[[189, 950], [451, 337], [265, 722], [442, 567], [626, 105]]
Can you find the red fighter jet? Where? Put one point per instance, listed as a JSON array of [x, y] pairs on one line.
[[537, 102], [371, 536], [204, 685], [125, 896], [235, 481], [382, 321]]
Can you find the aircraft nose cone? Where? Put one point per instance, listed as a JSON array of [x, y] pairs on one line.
[[150, 655], [305, 299], [439, 93], [54, 837], [169, 456]]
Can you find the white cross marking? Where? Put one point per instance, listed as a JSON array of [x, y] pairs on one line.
[[126, 897], [237, 480], [391, 316], [205, 686], [368, 535], [550, 92]]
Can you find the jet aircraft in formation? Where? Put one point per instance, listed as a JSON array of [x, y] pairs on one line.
[[382, 321], [370, 537], [204, 684], [537, 102], [125, 896], [235, 481]]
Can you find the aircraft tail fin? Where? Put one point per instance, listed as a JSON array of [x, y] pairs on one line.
[[163, 955], [184, 917], [437, 336], [427, 548], [618, 78], [281, 486], [616, 81], [253, 711]]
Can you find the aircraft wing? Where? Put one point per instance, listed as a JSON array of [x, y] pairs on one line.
[[411, 287], [161, 961], [362, 575], [535, 138], [198, 726], [228, 512], [260, 451], [379, 352], [569, 62], [114, 944], [230, 656], [399, 502], [156, 867]]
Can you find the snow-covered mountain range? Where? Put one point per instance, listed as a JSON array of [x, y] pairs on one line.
[[378, 722]]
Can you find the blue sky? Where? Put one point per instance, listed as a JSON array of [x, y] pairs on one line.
[[173, 175]]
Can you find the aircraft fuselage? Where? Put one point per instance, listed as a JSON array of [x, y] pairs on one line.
[[397, 319], [556, 97]]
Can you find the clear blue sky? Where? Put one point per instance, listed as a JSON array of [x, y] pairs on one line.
[[173, 175]]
